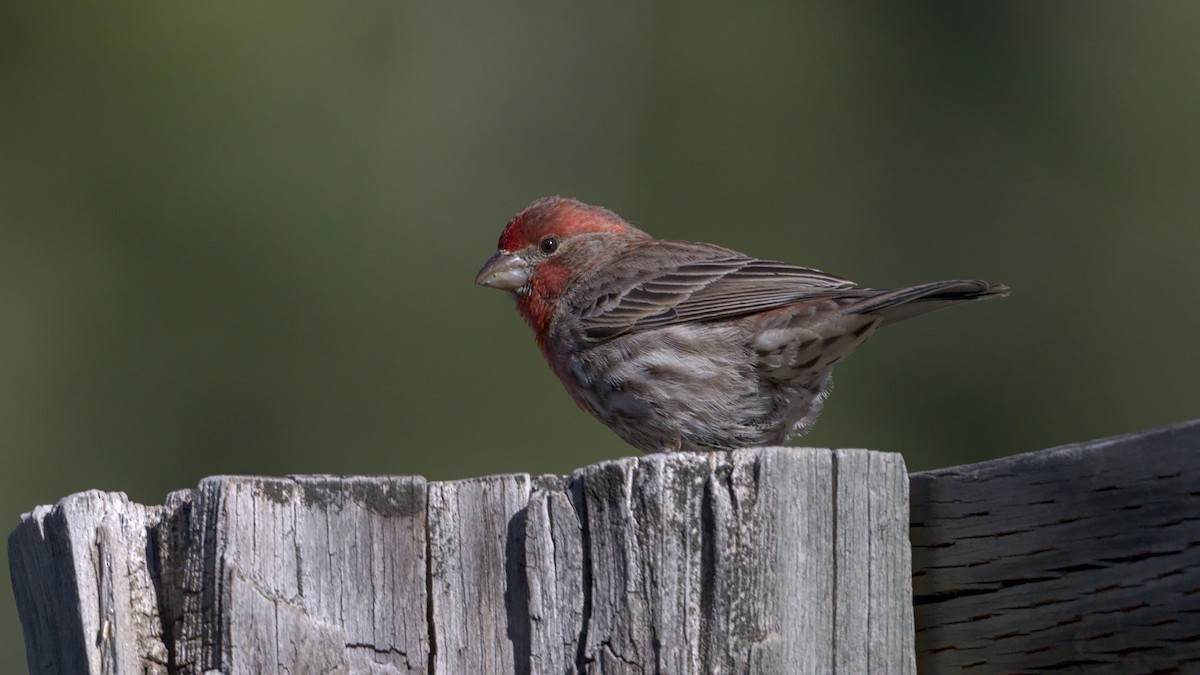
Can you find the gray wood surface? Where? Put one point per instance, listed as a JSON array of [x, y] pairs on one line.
[[308, 574], [1084, 558], [479, 612], [728, 563], [759, 561], [85, 588]]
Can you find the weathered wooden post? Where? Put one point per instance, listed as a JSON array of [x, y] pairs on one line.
[[1083, 558], [776, 560]]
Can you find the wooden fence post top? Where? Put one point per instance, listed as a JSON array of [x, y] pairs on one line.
[[772, 560], [762, 560]]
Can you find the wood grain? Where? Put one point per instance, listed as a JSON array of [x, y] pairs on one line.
[[1084, 557]]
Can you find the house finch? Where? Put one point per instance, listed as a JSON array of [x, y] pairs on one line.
[[677, 345]]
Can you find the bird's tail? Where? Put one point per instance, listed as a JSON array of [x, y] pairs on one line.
[[899, 304]]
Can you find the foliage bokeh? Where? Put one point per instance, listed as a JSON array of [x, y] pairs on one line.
[[241, 238]]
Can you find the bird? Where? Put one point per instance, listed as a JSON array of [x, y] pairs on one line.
[[686, 346]]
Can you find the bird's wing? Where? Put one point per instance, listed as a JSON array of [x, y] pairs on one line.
[[662, 283]]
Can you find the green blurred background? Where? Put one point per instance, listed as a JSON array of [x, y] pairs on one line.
[[241, 238]]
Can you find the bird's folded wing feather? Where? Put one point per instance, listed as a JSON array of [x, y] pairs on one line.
[[698, 282]]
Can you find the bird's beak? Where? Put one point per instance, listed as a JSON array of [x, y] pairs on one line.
[[505, 271]]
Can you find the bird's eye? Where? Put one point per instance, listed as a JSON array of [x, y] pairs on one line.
[[548, 244]]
